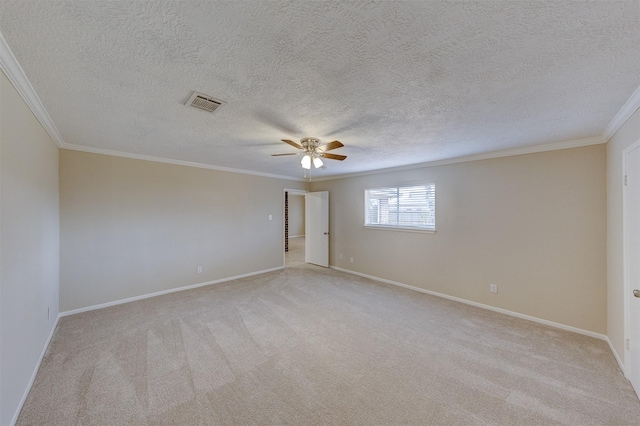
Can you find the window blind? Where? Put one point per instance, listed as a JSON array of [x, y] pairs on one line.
[[401, 207]]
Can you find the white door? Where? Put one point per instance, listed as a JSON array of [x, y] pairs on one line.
[[316, 209], [632, 262]]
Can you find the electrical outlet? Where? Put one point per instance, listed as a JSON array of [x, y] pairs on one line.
[[493, 288], [340, 256], [199, 269], [351, 260], [270, 217]]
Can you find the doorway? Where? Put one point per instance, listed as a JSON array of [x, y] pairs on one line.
[[294, 228]]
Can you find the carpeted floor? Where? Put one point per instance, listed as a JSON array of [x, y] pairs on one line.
[[312, 346], [295, 256]]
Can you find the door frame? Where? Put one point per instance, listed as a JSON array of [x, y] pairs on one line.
[[627, 287], [297, 192]]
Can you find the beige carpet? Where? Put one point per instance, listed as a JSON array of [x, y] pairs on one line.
[[311, 346], [295, 256]]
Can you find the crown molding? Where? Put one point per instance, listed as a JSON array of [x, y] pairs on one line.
[[14, 72], [123, 154], [632, 104], [16, 75], [576, 143]]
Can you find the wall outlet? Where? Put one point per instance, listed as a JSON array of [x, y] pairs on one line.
[[493, 288], [351, 260], [270, 217], [340, 256], [199, 269]]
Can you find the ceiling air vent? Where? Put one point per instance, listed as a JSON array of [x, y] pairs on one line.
[[204, 102]]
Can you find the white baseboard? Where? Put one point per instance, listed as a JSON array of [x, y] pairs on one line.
[[395, 283], [118, 302], [615, 354], [160, 293], [481, 305], [35, 372]]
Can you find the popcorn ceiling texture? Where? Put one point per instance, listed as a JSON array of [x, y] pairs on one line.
[[397, 82]]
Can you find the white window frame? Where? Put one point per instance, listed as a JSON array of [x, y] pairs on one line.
[[430, 189]]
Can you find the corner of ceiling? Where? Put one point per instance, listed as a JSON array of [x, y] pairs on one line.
[[629, 107], [144, 157], [576, 143], [14, 72]]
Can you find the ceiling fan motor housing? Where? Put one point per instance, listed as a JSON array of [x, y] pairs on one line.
[[310, 144]]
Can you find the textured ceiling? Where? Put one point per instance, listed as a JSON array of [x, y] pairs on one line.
[[397, 82]]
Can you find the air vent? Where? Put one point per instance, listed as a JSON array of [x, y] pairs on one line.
[[204, 102]]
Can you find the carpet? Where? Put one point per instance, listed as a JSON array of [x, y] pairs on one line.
[[313, 346]]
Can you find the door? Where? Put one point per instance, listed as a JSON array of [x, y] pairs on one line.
[[632, 262], [316, 209]]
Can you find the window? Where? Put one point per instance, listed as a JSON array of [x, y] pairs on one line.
[[404, 207]]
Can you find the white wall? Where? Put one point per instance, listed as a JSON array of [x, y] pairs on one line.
[[29, 248], [296, 215], [624, 137], [533, 224], [133, 227]]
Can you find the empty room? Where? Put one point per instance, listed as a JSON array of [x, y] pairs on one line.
[[319, 212]]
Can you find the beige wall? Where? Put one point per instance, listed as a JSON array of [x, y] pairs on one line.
[[29, 247], [132, 227], [628, 134], [296, 215], [533, 224]]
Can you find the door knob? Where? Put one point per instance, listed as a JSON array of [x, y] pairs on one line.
[[636, 293]]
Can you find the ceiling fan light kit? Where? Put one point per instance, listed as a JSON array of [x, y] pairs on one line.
[[306, 162]]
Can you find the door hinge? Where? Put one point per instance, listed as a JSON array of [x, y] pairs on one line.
[[627, 344], [625, 180]]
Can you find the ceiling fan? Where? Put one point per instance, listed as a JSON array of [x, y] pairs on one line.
[[312, 151]]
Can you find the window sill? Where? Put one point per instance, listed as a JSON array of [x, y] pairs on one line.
[[401, 229]]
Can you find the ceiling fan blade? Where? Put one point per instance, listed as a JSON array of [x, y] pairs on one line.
[[278, 155], [333, 156], [292, 143], [331, 145]]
